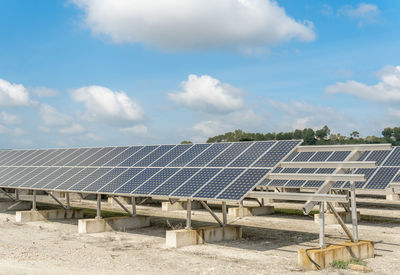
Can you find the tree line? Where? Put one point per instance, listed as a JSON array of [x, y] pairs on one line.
[[321, 136]]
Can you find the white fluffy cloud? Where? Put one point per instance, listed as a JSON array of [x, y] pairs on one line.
[[193, 24], [300, 115], [52, 117], [211, 128], [7, 118], [106, 106], [364, 13], [12, 95], [72, 130], [44, 92], [135, 130], [385, 91], [207, 94]]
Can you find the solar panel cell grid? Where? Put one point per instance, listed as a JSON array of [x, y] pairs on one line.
[[229, 154], [382, 178], [76, 177], [196, 182], [108, 157], [276, 153], [155, 155], [394, 158], [83, 157], [291, 156], [102, 181], [378, 156], [339, 156], [86, 181], [136, 181], [171, 155], [40, 183], [155, 181], [209, 154], [175, 182], [34, 179], [125, 155], [321, 156], [189, 155], [96, 156], [256, 150], [140, 154], [303, 156], [120, 180], [75, 154]]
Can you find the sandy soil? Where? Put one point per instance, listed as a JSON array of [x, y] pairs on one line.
[[269, 246]]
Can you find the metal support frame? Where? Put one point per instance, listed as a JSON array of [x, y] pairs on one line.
[[341, 222], [354, 211], [329, 164], [346, 147], [212, 213], [68, 206], [172, 201], [98, 214], [322, 224], [34, 201], [224, 216], [57, 200], [17, 194], [7, 194], [298, 196], [133, 202], [323, 177], [189, 214], [123, 206]]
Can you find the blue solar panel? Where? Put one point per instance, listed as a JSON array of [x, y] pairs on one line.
[[91, 178], [43, 181], [120, 180], [84, 158], [132, 184], [196, 182], [27, 175], [104, 180], [339, 156], [61, 177], [142, 153], [396, 179], [325, 171], [364, 155], [171, 155], [303, 156], [394, 158], [26, 157], [378, 156], [217, 184], [51, 156], [174, 182], [41, 175], [277, 183], [252, 154], [291, 156], [209, 154], [19, 173], [295, 183], [16, 156], [239, 188], [77, 177], [189, 155], [96, 156], [109, 156], [66, 161], [368, 172], [125, 155], [45, 154], [289, 170], [307, 171], [229, 154], [382, 178], [8, 156], [155, 181], [155, 155], [64, 156], [8, 171], [277, 153], [313, 183], [321, 156]]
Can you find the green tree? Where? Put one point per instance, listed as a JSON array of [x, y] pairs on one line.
[[387, 132], [355, 134]]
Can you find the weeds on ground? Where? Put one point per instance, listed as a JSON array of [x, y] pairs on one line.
[[340, 264]]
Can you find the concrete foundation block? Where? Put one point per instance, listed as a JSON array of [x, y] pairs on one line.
[[124, 200], [344, 251], [179, 205], [54, 214], [113, 223], [251, 211], [15, 205], [201, 235], [331, 219], [393, 197]]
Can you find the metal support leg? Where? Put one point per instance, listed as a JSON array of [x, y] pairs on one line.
[[57, 200], [224, 216], [262, 202], [123, 206], [189, 214], [17, 194], [34, 201], [98, 215], [212, 213], [68, 206], [322, 224], [354, 211], [7, 194], [133, 202], [241, 204]]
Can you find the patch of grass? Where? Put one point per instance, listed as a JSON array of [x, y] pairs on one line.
[[375, 219], [340, 264], [91, 213], [357, 261]]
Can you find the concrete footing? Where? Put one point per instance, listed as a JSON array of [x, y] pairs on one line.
[[331, 219], [15, 205], [344, 251], [53, 214], [124, 200], [201, 235], [179, 205], [393, 197], [251, 211], [113, 223]]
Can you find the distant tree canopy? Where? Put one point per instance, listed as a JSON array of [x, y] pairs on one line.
[[322, 136]]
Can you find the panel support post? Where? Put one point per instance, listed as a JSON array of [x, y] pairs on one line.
[[68, 206], [224, 216], [241, 204], [34, 201], [98, 215], [354, 211], [133, 202], [322, 224], [16, 194], [189, 214]]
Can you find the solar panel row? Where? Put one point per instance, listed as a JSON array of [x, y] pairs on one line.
[[388, 163], [224, 171]]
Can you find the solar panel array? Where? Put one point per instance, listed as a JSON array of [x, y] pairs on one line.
[[220, 171], [387, 161]]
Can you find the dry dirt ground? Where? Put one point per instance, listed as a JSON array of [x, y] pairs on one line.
[[269, 246]]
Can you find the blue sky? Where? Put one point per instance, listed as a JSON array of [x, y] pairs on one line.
[[94, 73]]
